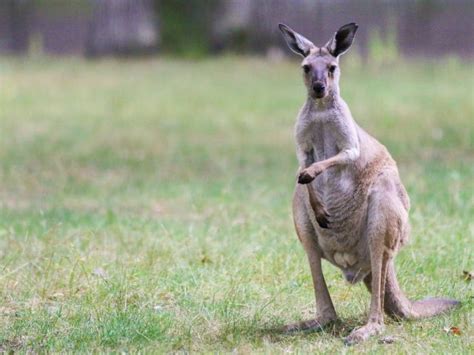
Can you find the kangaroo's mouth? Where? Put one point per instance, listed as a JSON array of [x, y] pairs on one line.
[[318, 95]]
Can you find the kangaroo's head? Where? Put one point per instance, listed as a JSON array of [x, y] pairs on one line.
[[320, 65]]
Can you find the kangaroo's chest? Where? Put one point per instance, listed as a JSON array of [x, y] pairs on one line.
[[322, 139], [336, 182]]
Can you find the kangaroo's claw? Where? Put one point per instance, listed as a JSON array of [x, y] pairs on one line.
[[323, 221], [305, 177]]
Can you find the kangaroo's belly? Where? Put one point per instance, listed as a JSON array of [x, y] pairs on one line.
[[344, 243], [344, 197]]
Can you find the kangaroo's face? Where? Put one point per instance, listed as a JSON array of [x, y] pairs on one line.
[[320, 73], [320, 65]]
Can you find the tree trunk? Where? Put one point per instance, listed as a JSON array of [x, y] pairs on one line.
[[122, 27]]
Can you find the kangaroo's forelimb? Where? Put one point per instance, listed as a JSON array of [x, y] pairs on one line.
[[320, 212], [345, 156]]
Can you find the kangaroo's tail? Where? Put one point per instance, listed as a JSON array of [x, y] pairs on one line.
[[397, 305]]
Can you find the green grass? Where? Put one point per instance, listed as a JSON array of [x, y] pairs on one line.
[[145, 205]]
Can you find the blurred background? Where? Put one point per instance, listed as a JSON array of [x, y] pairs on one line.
[[428, 28], [147, 165]]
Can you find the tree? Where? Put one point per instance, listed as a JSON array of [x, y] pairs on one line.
[[187, 25]]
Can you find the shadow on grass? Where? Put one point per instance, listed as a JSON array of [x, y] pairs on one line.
[[277, 334], [338, 329]]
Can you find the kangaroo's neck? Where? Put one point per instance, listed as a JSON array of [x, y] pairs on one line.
[[332, 102]]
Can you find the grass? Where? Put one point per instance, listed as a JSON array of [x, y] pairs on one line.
[[145, 205]]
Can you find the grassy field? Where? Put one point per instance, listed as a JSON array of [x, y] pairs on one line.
[[145, 205]]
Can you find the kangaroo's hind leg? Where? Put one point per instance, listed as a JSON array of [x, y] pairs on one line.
[[325, 312], [385, 223], [396, 304]]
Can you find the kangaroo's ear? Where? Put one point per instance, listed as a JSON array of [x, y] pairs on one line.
[[297, 43], [342, 39]]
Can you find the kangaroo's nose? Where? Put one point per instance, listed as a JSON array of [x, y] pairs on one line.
[[319, 87]]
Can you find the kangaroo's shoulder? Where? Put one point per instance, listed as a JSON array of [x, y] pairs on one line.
[[374, 156]]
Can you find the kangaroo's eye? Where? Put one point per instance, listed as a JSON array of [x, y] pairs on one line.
[[332, 69], [306, 68]]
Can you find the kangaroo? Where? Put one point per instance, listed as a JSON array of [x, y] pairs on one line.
[[349, 205]]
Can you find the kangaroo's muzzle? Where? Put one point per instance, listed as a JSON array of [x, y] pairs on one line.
[[319, 89]]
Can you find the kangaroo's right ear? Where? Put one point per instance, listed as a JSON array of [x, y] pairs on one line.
[[297, 43]]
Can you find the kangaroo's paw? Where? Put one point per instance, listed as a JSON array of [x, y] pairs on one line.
[[309, 174], [308, 325], [363, 333], [323, 219], [305, 177]]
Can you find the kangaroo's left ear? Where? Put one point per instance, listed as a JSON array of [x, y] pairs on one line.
[[342, 39]]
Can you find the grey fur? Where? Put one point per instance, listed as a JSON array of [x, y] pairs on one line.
[[350, 206]]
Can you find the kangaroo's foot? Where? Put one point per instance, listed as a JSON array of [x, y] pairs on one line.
[[309, 325], [363, 333]]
